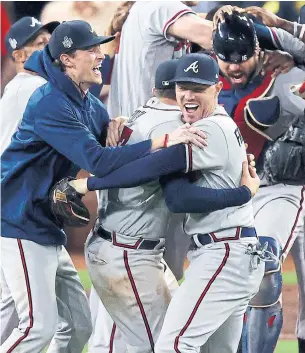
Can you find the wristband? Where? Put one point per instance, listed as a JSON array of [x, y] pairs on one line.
[[165, 140]]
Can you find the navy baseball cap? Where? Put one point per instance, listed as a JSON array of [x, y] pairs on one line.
[[165, 73], [73, 35], [25, 30], [197, 68]]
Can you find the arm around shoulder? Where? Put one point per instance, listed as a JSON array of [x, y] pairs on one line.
[[57, 125]]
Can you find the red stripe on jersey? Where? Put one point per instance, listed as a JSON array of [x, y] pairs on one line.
[[296, 220], [28, 288], [135, 291], [173, 19], [223, 263]]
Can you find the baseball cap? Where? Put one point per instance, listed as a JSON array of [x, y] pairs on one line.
[[25, 30], [71, 35], [165, 73], [234, 40], [197, 68]]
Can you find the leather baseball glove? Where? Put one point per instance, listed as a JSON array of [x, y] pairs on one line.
[[67, 206], [284, 160]]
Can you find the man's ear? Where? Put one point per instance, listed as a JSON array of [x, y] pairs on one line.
[[219, 86], [66, 60], [19, 56]]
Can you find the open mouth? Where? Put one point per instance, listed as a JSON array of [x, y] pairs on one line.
[[96, 69], [191, 107], [238, 78]]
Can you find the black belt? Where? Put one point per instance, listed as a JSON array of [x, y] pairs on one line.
[[209, 238], [139, 244]]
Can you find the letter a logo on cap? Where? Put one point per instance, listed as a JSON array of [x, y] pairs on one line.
[[193, 66], [35, 22]]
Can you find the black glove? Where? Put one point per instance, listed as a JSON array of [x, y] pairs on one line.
[[284, 160], [67, 206]]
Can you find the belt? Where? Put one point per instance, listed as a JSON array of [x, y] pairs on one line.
[[204, 239], [141, 243]]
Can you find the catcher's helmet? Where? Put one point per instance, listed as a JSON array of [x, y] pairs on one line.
[[235, 39]]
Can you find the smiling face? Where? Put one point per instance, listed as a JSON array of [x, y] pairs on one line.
[[197, 101], [84, 66], [240, 74]]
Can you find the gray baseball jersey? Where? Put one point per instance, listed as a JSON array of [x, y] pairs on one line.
[[287, 42], [292, 106], [144, 44], [220, 164], [141, 211]]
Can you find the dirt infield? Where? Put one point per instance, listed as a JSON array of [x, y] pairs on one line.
[[290, 297]]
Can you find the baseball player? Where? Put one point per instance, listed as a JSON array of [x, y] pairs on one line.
[[30, 35], [225, 270], [32, 241], [278, 209], [124, 251]]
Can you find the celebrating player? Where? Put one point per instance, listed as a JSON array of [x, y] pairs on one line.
[[278, 209], [225, 271]]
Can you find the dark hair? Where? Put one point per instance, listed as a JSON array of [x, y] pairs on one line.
[[58, 62], [169, 93]]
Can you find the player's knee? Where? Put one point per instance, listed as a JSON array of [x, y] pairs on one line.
[[271, 285]]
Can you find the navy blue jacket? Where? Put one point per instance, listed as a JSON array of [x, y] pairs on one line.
[[59, 130]]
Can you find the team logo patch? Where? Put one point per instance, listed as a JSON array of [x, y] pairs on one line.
[[67, 42], [60, 196], [13, 43], [194, 66], [35, 22]]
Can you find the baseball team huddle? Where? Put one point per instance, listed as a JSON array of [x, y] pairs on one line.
[[198, 153]]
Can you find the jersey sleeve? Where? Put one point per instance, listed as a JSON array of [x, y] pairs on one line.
[[289, 102], [214, 156], [287, 42], [57, 125], [164, 14]]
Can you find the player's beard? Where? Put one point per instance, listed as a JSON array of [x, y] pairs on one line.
[[247, 77]]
